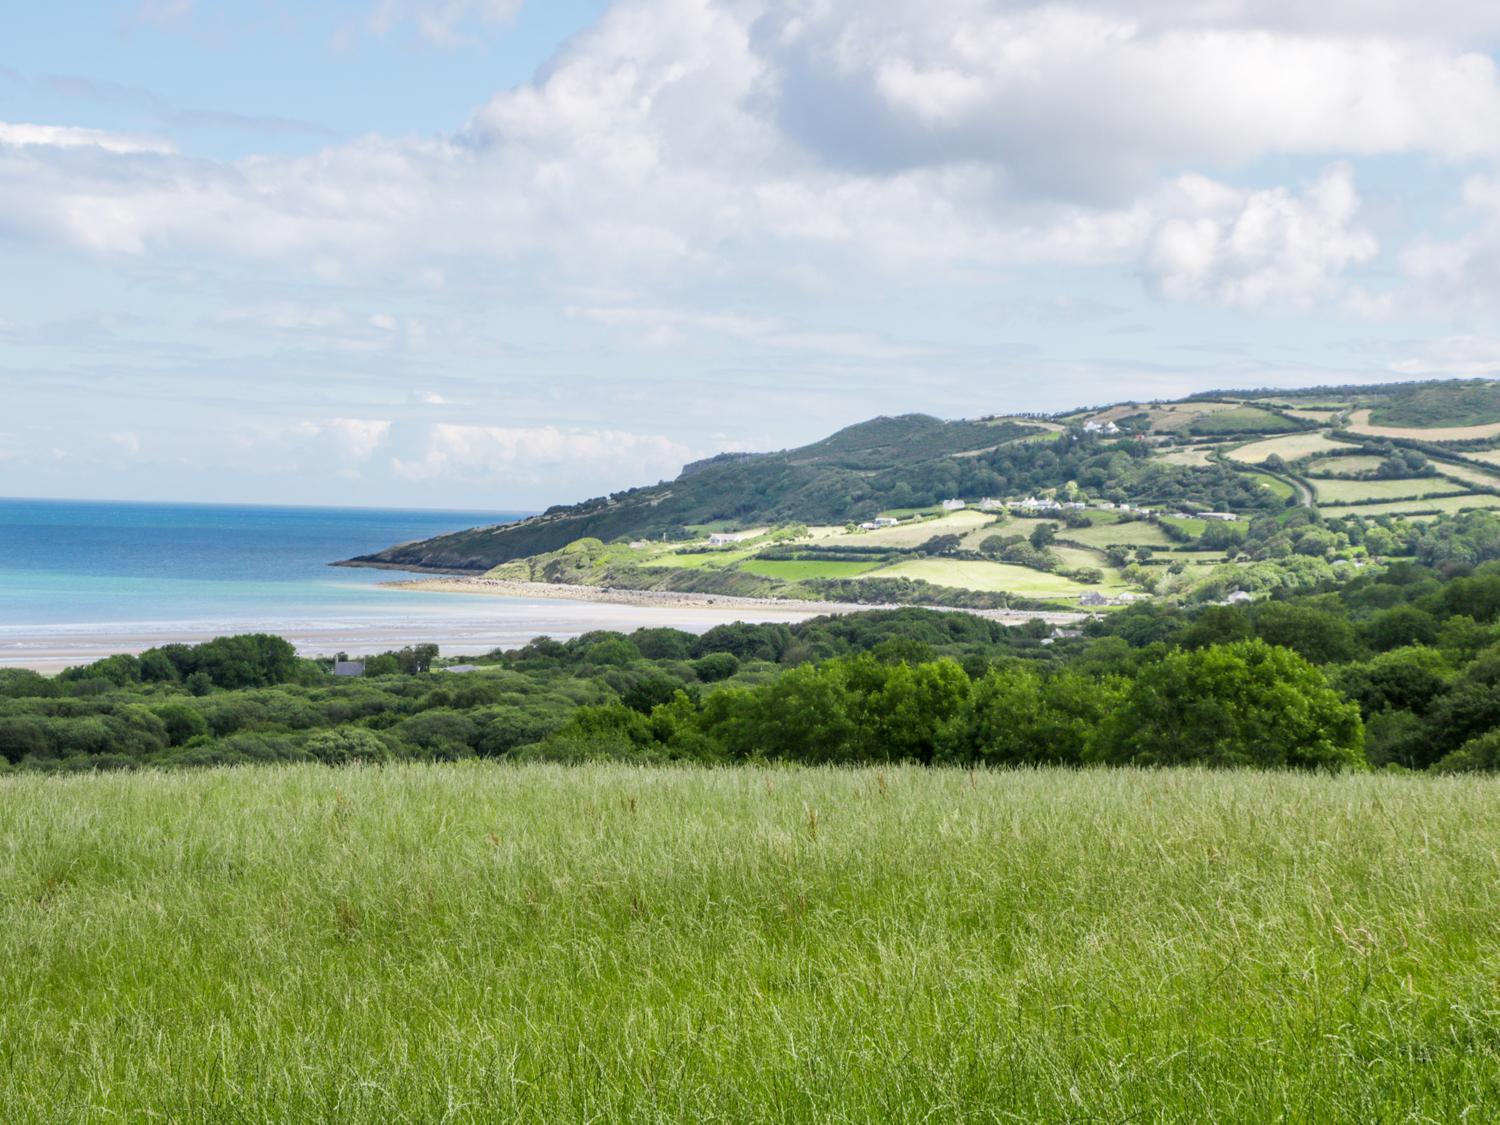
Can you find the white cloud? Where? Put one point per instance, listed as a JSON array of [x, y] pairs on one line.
[[1262, 248], [18, 135], [727, 139], [1464, 356]]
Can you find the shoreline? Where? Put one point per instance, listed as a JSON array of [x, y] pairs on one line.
[[676, 599]]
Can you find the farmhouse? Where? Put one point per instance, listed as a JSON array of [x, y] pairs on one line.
[[1226, 517], [724, 538], [1100, 428], [1092, 597], [954, 505]]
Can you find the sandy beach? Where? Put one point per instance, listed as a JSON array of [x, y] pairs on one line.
[[672, 599], [464, 616]]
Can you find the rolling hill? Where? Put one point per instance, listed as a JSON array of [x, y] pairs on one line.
[[1241, 490]]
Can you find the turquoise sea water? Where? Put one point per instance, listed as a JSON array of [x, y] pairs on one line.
[[97, 563], [83, 579]]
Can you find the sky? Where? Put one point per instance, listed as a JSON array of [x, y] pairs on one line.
[[502, 254]]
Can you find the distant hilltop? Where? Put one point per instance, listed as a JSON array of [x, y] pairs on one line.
[[716, 460], [1418, 450]]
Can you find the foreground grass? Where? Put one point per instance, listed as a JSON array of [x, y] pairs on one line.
[[613, 944]]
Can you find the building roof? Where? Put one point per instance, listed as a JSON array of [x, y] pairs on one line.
[[348, 667]]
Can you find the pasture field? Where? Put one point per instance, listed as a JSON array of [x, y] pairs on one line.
[[1483, 476], [1359, 423], [795, 570], [1275, 485], [988, 576], [1343, 466], [1484, 456], [1137, 533], [1432, 504], [915, 534], [469, 943], [700, 560], [1349, 491], [1190, 525], [1288, 448], [1195, 456]]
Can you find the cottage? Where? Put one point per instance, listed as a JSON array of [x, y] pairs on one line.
[[1239, 597], [990, 504], [348, 667], [886, 521], [870, 525], [725, 538], [1100, 428], [954, 505], [1226, 517], [1092, 597]]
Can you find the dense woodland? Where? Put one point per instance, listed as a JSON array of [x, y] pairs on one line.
[[1398, 667]]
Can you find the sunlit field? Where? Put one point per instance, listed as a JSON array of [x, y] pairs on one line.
[[481, 943]]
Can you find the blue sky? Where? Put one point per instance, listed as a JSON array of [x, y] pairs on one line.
[[500, 253]]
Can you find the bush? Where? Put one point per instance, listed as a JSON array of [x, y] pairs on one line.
[[1241, 704]]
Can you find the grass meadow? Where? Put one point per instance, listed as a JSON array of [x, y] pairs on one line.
[[990, 576], [610, 943]]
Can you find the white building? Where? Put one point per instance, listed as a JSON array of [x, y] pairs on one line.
[[1226, 517], [1100, 428], [954, 505]]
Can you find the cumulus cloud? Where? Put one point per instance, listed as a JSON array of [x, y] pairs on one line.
[[768, 137], [1260, 248]]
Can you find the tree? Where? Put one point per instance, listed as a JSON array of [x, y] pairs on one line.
[[1319, 635], [1043, 535], [1241, 704], [1016, 716], [941, 545]]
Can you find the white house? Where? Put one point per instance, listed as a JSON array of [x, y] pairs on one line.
[[990, 504], [954, 505], [1100, 428], [885, 521], [724, 538], [1239, 597], [1226, 517]]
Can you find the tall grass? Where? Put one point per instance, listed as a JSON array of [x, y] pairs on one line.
[[608, 943]]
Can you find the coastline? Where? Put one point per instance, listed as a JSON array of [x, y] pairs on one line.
[[673, 599]]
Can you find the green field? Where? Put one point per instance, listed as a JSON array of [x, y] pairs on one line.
[[698, 560], [469, 943], [1484, 477], [795, 570], [987, 576], [1350, 491], [1138, 533], [1288, 448], [914, 534], [1275, 485], [1343, 466], [1433, 504]]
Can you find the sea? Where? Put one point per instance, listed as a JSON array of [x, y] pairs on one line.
[[83, 579]]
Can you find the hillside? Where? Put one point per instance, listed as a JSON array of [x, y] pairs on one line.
[[1199, 497], [853, 474]]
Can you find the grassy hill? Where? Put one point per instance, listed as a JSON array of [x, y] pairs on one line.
[[1355, 457], [609, 943], [851, 475]]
